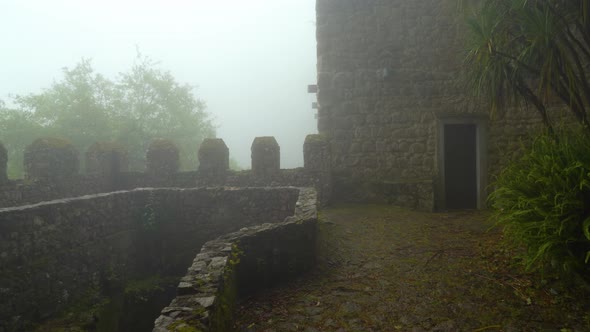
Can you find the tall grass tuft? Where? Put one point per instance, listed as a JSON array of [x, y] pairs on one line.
[[543, 202]]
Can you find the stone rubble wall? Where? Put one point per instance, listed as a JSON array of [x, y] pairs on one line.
[[238, 264], [51, 253]]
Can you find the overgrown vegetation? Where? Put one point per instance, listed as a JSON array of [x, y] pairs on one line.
[[536, 51], [543, 202]]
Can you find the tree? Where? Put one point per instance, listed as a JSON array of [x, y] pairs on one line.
[[534, 51], [79, 107], [140, 105], [154, 105]]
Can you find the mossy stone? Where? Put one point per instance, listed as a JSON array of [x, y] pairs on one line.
[[50, 158]]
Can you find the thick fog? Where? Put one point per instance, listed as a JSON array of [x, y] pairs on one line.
[[250, 60]]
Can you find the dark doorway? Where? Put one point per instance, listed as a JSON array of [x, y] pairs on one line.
[[460, 155]]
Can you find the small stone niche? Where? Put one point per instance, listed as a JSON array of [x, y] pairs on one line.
[[50, 159], [106, 158], [266, 156], [213, 156], [162, 158]]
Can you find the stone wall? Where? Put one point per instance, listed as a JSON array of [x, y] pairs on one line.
[[388, 76], [22, 192], [52, 253], [213, 171], [238, 264]]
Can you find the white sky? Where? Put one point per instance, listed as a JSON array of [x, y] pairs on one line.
[[250, 60]]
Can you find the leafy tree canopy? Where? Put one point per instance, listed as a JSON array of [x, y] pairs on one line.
[[136, 107], [532, 50]]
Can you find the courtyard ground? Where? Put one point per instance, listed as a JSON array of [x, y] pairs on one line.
[[382, 268]]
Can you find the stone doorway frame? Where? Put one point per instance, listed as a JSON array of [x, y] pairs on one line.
[[481, 161]]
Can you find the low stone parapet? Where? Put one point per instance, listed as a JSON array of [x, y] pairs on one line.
[[53, 253], [239, 264]]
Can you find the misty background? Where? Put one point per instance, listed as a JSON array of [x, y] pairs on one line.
[[250, 61]]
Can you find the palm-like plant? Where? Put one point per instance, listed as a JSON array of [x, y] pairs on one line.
[[532, 50]]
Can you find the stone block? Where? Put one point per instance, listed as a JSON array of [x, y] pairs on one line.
[[3, 161], [266, 156], [106, 158], [213, 156], [316, 154], [162, 158], [50, 159]]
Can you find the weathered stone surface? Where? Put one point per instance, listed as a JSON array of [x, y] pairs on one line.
[[53, 252], [317, 161], [213, 156], [388, 71], [50, 159], [19, 192], [3, 161], [162, 158], [106, 159], [260, 256], [266, 156], [316, 154]]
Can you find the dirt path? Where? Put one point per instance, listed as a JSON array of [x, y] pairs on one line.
[[382, 268]]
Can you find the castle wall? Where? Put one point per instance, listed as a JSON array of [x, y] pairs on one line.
[[213, 171], [21, 192], [53, 253], [238, 264], [388, 77]]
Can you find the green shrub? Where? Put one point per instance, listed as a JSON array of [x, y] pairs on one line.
[[543, 202]]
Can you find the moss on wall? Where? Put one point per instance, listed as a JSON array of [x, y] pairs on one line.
[[222, 316]]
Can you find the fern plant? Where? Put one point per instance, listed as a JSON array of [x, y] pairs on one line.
[[543, 202]]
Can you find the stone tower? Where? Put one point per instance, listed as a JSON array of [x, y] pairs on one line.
[[401, 125]]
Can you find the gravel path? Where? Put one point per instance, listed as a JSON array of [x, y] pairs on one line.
[[382, 268]]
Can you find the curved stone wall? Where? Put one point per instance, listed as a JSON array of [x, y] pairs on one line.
[[237, 264], [52, 253]]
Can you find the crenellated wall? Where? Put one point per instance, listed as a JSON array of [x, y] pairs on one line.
[[93, 251], [53, 253], [107, 171]]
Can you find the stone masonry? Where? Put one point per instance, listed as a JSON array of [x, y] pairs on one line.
[[213, 171], [388, 80], [53, 252], [237, 264]]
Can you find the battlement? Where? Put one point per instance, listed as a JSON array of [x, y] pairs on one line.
[[52, 170], [68, 238]]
